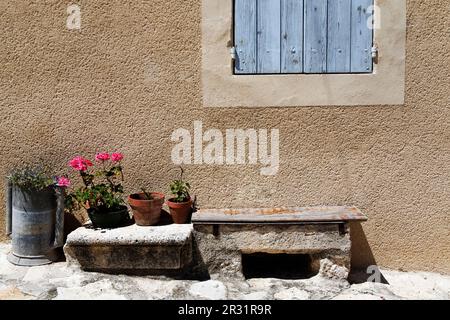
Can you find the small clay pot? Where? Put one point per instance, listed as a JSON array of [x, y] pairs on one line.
[[180, 211], [146, 212]]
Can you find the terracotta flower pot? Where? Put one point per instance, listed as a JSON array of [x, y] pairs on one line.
[[180, 211], [146, 212]]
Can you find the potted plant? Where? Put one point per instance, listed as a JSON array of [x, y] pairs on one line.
[[35, 216], [101, 194], [146, 207], [181, 204]]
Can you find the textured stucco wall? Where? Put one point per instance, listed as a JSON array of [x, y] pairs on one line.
[[132, 75]]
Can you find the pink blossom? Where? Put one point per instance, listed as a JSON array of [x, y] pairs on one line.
[[116, 157], [80, 163], [101, 157], [63, 182]]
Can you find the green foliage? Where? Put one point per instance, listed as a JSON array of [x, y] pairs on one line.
[[103, 196], [148, 196], [180, 189], [31, 178]]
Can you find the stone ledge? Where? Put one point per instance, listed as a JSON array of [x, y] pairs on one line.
[[172, 234], [133, 249], [281, 215]]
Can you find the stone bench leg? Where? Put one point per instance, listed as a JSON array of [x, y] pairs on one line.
[[212, 258], [219, 248]]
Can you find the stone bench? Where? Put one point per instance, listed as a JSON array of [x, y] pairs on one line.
[[223, 236], [161, 250]]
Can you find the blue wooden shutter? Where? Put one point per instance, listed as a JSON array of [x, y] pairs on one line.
[[245, 36], [291, 36], [361, 36], [315, 36], [303, 36], [339, 36], [268, 36]]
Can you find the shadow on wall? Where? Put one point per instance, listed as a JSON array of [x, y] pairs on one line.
[[71, 223], [364, 265]]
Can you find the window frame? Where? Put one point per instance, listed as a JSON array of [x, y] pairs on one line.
[[220, 88], [281, 73]]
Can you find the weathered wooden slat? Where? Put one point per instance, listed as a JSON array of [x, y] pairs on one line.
[[361, 36], [279, 215], [245, 36], [339, 41], [268, 36], [291, 36], [315, 30]]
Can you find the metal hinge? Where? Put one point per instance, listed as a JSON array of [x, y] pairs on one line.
[[233, 53], [374, 52]]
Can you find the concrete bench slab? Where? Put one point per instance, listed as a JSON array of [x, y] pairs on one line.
[[133, 249], [222, 236]]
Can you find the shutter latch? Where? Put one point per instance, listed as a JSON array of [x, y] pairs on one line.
[[233, 53]]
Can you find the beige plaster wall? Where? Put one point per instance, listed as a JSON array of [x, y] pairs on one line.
[[132, 75]]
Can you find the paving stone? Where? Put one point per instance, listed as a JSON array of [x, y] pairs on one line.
[[44, 273], [74, 280], [418, 284], [323, 288], [292, 294], [258, 295], [100, 290], [8, 270], [332, 271], [155, 289], [377, 290], [39, 290], [5, 247], [212, 290], [12, 293], [357, 296]]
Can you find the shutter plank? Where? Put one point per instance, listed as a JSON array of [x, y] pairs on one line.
[[361, 37], [268, 36], [245, 36], [339, 40], [315, 50], [291, 36]]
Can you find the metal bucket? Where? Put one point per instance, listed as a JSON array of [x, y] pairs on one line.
[[35, 219]]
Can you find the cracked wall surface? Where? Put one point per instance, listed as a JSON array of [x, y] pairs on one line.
[[132, 75]]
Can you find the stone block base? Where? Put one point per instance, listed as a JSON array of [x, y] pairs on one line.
[[162, 250], [220, 246]]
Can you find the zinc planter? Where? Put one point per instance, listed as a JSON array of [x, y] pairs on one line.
[[180, 211], [35, 221], [146, 212]]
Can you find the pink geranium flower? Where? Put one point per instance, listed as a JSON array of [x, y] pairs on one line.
[[101, 157], [63, 182], [80, 163], [116, 157]]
